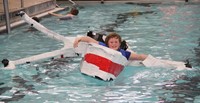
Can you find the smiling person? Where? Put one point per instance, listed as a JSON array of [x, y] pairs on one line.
[[112, 41]]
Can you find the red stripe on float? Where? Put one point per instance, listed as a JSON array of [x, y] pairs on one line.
[[104, 64]]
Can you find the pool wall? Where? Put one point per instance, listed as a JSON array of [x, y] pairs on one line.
[[134, 1], [31, 10]]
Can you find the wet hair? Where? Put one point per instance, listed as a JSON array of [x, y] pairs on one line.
[[74, 11], [113, 35], [5, 62], [99, 37], [36, 19]]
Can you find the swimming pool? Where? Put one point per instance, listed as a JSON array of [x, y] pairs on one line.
[[167, 31]]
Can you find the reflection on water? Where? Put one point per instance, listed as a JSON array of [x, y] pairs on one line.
[[121, 18], [183, 89], [19, 90], [22, 87], [197, 53], [159, 29]]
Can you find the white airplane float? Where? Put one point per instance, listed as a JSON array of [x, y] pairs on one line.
[[98, 61]]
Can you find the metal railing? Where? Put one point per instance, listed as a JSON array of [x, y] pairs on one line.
[[6, 11], [8, 8]]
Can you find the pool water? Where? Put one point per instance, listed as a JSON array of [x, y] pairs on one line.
[[166, 31]]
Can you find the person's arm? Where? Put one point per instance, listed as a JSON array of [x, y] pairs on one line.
[[84, 39], [54, 14], [135, 56]]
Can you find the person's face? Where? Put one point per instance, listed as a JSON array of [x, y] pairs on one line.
[[114, 43]]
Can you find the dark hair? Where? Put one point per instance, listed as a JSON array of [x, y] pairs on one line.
[[36, 19], [112, 35], [74, 11]]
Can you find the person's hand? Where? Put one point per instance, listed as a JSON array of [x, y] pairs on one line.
[[77, 40]]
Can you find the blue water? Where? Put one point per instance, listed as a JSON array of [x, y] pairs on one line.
[[166, 31]]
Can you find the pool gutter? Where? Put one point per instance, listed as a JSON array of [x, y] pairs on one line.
[[21, 22], [32, 10], [124, 1]]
